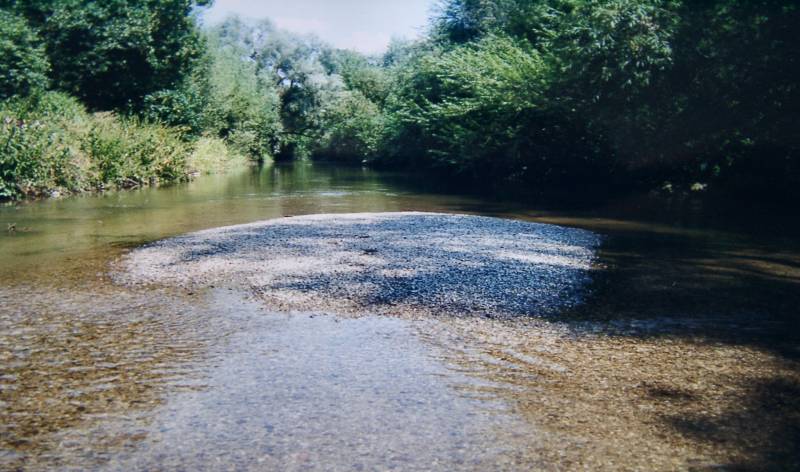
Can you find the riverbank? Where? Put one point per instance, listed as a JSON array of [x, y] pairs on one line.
[[51, 146]]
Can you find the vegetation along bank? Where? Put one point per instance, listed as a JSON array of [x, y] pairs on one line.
[[562, 99]]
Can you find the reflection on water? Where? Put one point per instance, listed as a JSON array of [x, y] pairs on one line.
[[699, 371], [70, 231]]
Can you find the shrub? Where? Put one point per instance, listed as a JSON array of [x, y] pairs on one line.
[[212, 156], [177, 108], [33, 158], [130, 153], [50, 143], [37, 152]]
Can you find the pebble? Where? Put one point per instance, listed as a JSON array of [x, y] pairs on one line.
[[366, 263]]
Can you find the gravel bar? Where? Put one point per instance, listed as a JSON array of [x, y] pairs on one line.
[[382, 263]]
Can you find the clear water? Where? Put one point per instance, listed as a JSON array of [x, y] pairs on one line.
[[98, 376]]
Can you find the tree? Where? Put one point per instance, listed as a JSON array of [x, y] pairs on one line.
[[112, 54], [352, 128], [361, 74], [294, 64], [23, 63], [481, 111], [737, 64], [461, 21], [611, 60]]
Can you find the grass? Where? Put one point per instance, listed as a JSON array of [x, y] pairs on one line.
[[51, 145], [214, 156]]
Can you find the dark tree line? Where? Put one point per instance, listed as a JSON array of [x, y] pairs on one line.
[[605, 94]]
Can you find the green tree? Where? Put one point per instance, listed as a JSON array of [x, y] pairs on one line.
[[360, 74], [737, 65], [481, 110], [23, 63], [294, 64], [352, 128], [112, 54], [243, 103], [611, 60]]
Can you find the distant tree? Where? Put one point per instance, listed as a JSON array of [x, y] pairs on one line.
[[398, 52], [358, 72], [297, 66], [461, 21], [352, 128]]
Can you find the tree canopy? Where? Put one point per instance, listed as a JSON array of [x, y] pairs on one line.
[[112, 54], [23, 62], [547, 96]]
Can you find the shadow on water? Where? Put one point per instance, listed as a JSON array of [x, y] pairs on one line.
[[711, 290], [712, 293], [725, 289], [770, 406]]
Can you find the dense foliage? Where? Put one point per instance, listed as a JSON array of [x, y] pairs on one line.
[[617, 94], [111, 54], [570, 99], [142, 95], [481, 110], [577, 98], [23, 63], [50, 143]]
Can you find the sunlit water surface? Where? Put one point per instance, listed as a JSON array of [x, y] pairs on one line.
[[99, 376]]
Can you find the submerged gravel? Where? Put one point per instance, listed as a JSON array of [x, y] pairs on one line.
[[399, 263]]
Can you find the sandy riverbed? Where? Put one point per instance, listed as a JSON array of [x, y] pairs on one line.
[[593, 396]]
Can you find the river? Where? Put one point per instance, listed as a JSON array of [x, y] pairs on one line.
[[684, 357]]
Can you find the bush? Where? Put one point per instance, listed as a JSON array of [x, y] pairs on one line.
[[50, 143], [177, 108], [130, 153], [33, 158], [212, 156], [38, 146]]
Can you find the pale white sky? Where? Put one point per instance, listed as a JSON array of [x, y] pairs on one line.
[[363, 25]]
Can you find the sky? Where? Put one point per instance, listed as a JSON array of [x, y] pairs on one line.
[[364, 25]]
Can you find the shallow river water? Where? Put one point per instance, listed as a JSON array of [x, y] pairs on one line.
[[685, 356]]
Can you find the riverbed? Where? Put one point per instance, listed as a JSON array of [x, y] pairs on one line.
[[682, 355]]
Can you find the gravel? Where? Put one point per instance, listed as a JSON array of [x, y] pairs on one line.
[[382, 263]]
